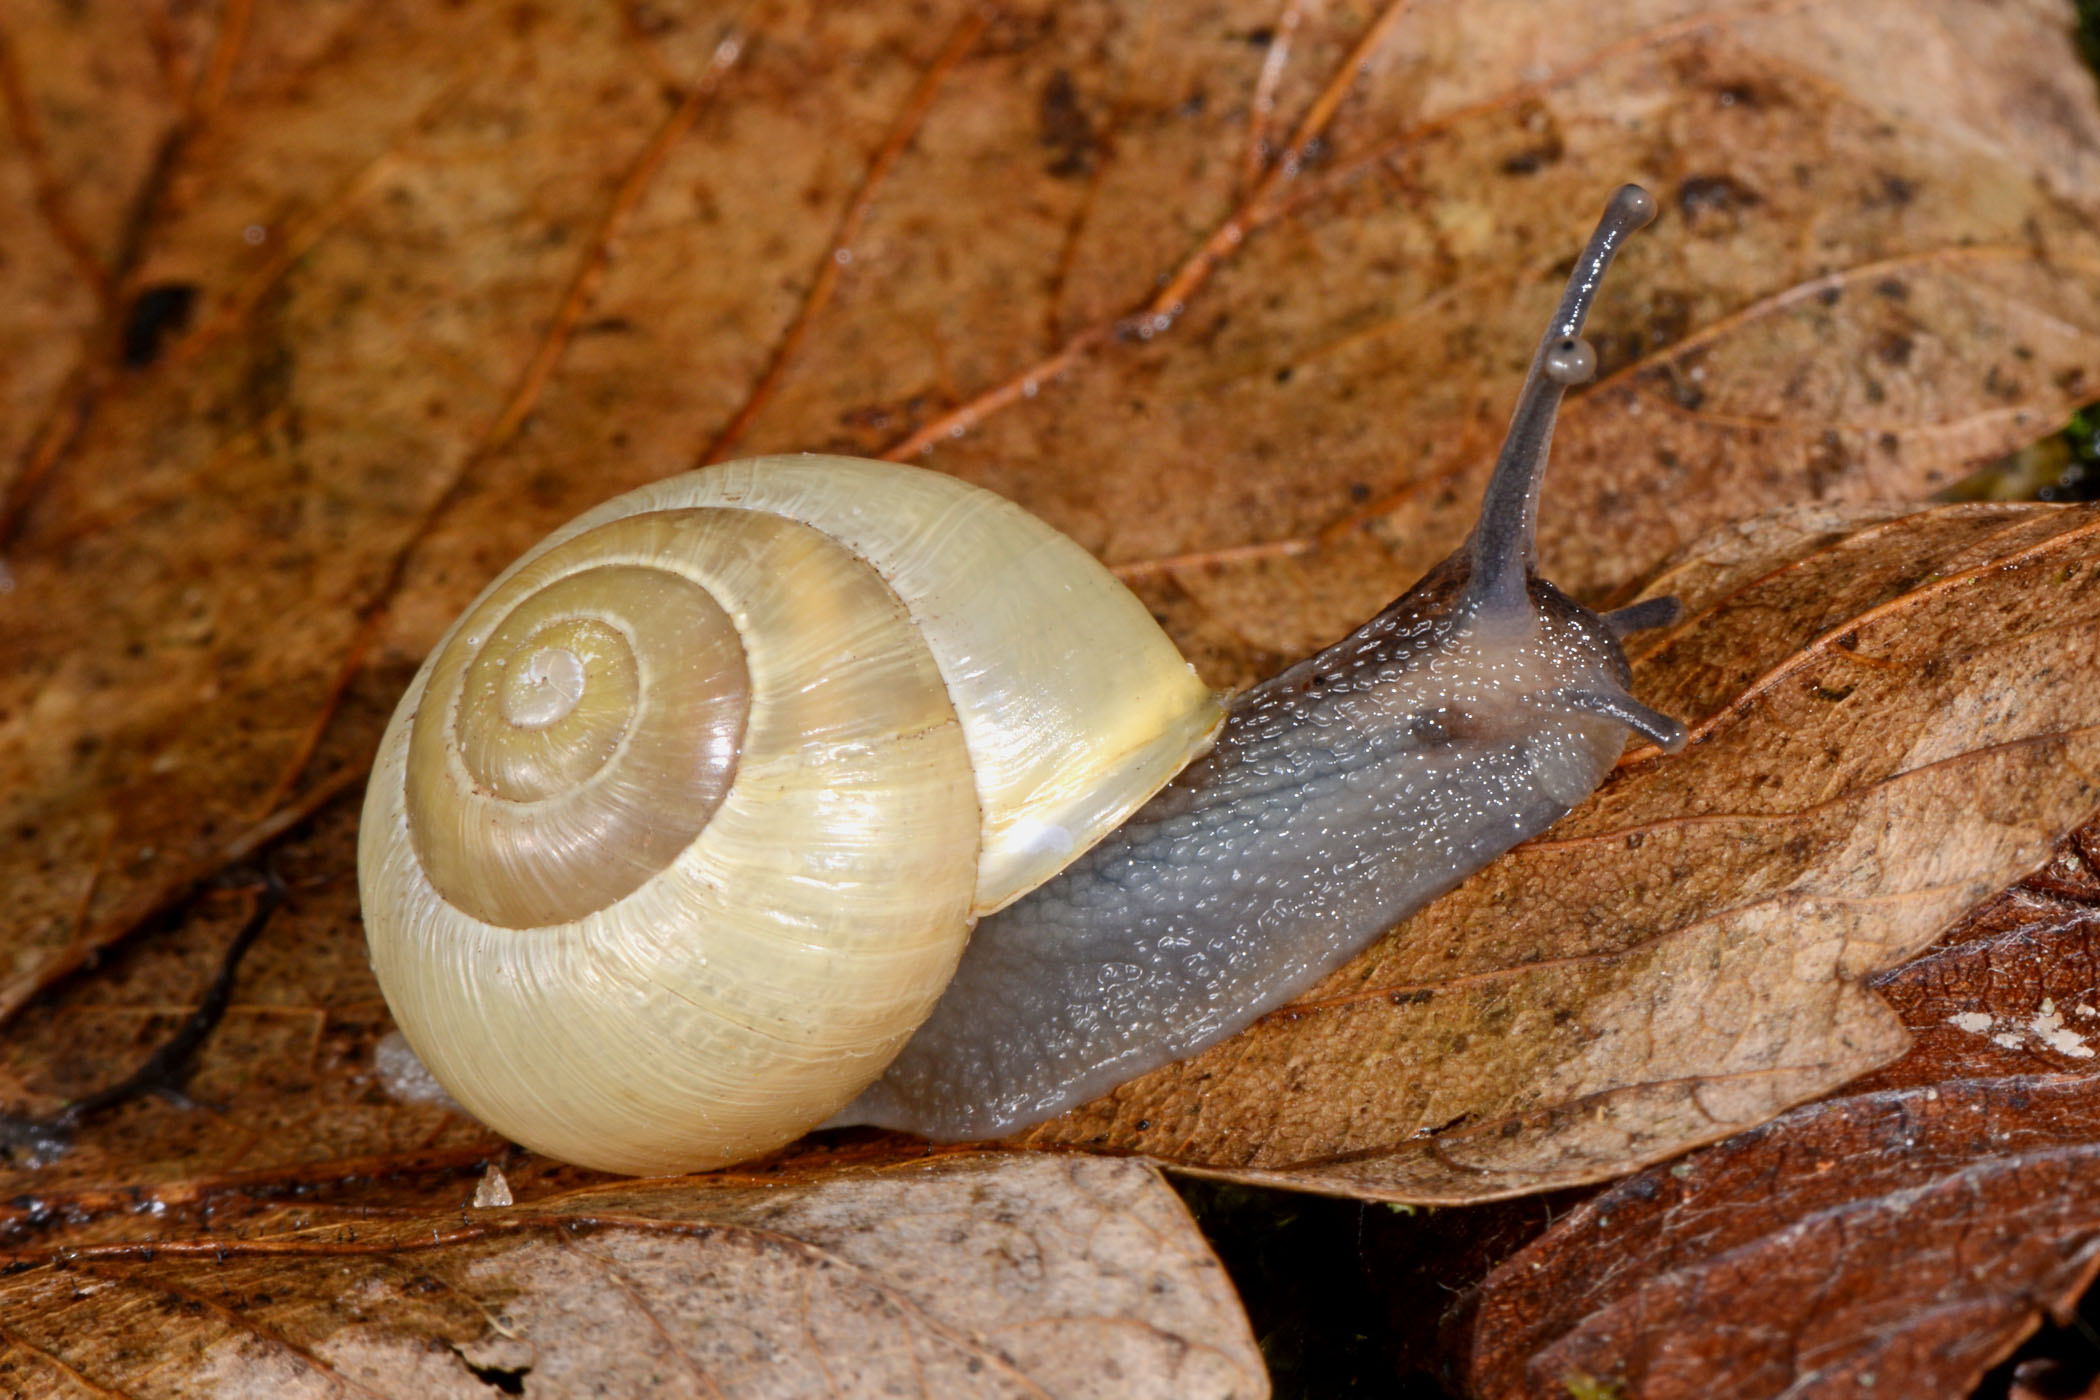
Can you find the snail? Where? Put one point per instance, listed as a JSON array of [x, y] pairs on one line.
[[674, 846]]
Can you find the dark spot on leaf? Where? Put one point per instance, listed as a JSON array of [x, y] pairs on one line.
[[1828, 460], [1894, 192], [158, 314], [1685, 391], [504, 1380], [1714, 204], [1533, 159], [1063, 128]]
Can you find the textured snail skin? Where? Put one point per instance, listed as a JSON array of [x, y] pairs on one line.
[[1342, 795]]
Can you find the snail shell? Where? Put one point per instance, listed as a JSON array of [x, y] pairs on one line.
[[680, 830]]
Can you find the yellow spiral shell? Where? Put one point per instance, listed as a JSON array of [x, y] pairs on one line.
[[680, 830]]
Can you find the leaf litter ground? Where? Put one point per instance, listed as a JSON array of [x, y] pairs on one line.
[[306, 294]]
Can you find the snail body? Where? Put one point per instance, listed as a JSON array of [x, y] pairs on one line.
[[674, 846]]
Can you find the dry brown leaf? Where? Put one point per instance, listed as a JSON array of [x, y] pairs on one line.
[[397, 288], [290, 1101], [316, 314], [1901, 1236], [1890, 723], [978, 1276]]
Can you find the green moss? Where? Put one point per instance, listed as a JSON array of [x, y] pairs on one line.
[[2064, 466], [2080, 480]]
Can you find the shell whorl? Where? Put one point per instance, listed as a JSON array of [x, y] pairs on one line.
[[580, 730], [680, 830]]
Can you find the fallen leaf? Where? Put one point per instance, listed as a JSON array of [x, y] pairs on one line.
[[979, 1276], [1890, 722], [1903, 1235], [317, 314], [394, 314], [287, 1097]]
